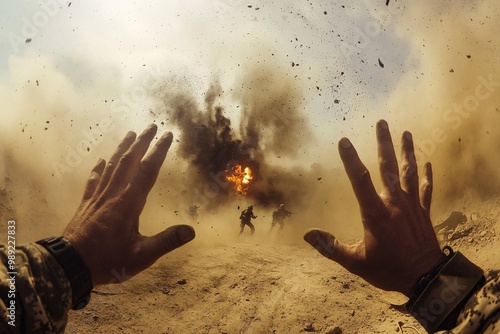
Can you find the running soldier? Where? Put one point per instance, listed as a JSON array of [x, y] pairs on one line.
[[279, 216], [246, 217]]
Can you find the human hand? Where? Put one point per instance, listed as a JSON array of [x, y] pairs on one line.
[[105, 228], [399, 243]]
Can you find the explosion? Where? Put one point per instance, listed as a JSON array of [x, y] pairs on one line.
[[226, 159], [240, 177]]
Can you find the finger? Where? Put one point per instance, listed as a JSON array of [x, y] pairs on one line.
[[387, 159], [93, 181], [130, 161], [110, 167], [358, 174], [162, 243], [426, 188], [328, 246], [409, 174], [150, 166]]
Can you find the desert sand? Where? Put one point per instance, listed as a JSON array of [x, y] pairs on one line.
[[266, 283]]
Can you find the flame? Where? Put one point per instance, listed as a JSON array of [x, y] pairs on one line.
[[240, 177]]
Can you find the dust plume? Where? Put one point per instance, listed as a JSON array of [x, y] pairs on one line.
[[450, 97], [53, 132]]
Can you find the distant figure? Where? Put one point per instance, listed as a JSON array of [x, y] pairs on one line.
[[193, 211], [279, 216], [246, 217]]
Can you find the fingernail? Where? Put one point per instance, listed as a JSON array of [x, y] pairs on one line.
[[383, 125], [345, 143], [311, 237], [185, 233], [408, 135], [167, 134]]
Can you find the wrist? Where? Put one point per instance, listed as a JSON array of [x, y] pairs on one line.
[[86, 250], [422, 267], [437, 296], [71, 262], [427, 276]]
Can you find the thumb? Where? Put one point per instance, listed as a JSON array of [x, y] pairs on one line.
[[330, 247], [166, 241]]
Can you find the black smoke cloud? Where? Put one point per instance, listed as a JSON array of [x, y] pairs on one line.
[[270, 126]]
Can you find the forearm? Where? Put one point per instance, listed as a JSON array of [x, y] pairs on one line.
[[42, 292]]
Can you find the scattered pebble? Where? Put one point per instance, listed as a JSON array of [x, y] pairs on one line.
[[333, 330], [309, 327]]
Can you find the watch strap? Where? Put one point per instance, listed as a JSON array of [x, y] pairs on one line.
[[78, 274], [442, 292]]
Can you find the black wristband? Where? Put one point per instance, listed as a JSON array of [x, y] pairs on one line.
[[439, 296], [74, 267], [426, 278]]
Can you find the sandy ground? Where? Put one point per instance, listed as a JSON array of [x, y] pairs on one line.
[[268, 283]]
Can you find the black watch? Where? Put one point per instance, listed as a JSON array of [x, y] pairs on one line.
[[74, 267]]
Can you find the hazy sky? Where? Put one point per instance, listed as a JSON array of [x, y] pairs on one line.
[[336, 44]]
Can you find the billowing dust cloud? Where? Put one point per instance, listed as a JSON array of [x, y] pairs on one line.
[[53, 132], [451, 99]]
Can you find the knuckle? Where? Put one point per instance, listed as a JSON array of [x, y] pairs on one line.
[[364, 177], [408, 168], [126, 159], [110, 165], [427, 186]]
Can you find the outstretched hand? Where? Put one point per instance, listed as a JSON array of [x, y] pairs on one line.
[[105, 229], [399, 243]]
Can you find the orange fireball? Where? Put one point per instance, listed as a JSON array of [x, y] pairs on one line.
[[240, 178]]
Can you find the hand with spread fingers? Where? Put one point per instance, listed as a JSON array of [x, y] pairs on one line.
[[399, 243], [105, 229]]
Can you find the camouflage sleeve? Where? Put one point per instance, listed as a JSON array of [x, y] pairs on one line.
[[42, 292], [481, 314]]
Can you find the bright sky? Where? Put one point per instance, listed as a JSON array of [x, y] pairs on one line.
[[337, 45]]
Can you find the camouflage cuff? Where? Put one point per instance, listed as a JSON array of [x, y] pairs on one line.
[[446, 291]]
